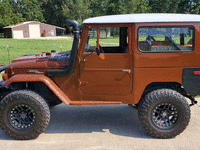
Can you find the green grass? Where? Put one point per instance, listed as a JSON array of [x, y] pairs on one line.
[[162, 38], [30, 46], [110, 41], [1, 75]]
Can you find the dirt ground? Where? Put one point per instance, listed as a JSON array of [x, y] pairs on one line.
[[103, 128]]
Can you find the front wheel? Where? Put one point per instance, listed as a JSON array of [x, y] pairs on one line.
[[24, 115], [164, 113]]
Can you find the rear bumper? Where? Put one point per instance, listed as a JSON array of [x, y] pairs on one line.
[[191, 81]]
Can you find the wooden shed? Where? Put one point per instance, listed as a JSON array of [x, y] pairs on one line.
[[32, 29]]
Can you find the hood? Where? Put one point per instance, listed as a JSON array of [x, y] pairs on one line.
[[39, 63], [39, 56]]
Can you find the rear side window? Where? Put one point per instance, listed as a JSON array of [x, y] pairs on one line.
[[165, 39]]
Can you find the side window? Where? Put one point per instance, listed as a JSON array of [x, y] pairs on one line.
[[109, 37], [91, 41], [111, 40], [165, 39]]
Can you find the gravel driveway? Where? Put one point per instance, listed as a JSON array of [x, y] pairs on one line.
[[103, 128]]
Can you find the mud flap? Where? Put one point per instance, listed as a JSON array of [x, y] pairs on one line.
[[191, 81]]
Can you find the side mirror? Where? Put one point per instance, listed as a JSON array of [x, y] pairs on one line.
[[97, 51]]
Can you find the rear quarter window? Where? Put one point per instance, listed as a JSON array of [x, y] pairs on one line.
[[165, 39]]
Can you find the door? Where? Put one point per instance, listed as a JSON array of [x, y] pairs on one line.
[[109, 73], [34, 30], [18, 34]]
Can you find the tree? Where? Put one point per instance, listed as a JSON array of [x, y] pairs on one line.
[[7, 16], [98, 7], [56, 11], [163, 6], [143, 6], [189, 6], [5, 13], [80, 10], [31, 10]]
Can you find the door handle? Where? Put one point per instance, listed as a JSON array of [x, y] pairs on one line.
[[127, 70]]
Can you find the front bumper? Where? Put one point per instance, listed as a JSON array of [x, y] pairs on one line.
[[3, 91]]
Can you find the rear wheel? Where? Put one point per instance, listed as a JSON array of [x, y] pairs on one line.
[[164, 113], [24, 115]]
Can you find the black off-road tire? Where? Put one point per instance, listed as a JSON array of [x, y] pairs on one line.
[[164, 113], [24, 115]]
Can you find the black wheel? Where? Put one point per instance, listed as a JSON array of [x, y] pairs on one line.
[[164, 113], [24, 115]]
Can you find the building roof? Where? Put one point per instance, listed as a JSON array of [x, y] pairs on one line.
[[27, 22], [23, 23], [144, 18]]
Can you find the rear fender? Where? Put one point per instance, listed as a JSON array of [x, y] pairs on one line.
[[39, 78]]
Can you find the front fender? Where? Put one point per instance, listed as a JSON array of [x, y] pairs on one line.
[[39, 78]]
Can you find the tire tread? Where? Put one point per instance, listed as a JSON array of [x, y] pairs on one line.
[[146, 104], [36, 100]]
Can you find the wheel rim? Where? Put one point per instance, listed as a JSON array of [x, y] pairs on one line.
[[22, 116], [165, 115]]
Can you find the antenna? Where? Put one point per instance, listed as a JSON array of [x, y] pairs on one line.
[[8, 53]]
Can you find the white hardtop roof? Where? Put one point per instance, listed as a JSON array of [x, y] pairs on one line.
[[143, 18]]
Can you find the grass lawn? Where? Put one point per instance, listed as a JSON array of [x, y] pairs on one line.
[[1, 75], [19, 47]]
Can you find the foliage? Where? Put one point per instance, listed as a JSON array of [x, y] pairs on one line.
[[163, 6], [189, 6], [7, 16], [30, 10], [56, 12]]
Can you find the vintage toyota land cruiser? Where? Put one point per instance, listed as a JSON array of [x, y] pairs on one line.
[[149, 60]]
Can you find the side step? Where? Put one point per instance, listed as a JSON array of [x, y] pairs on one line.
[[94, 103]]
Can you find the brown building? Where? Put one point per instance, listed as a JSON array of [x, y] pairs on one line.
[[32, 29]]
